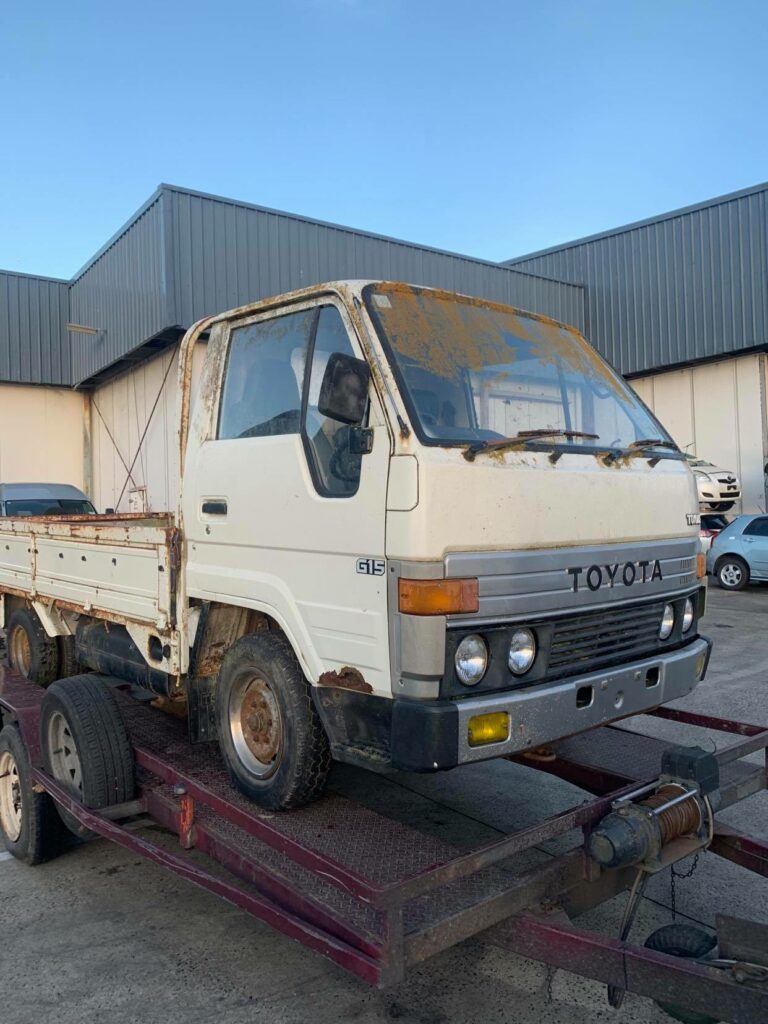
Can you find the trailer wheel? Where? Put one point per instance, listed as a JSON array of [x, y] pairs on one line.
[[31, 652], [29, 825], [691, 943], [270, 734], [85, 745]]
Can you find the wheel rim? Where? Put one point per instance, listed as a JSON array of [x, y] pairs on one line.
[[10, 797], [256, 726], [731, 574], [62, 749], [20, 651]]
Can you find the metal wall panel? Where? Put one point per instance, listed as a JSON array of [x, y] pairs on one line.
[[122, 293], [34, 347], [690, 285], [227, 253]]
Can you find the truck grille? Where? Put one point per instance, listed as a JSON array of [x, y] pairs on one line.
[[600, 639]]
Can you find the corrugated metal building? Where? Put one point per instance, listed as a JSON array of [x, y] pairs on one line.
[[679, 303], [187, 254]]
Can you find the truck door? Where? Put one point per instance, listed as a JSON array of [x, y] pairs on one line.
[[280, 513]]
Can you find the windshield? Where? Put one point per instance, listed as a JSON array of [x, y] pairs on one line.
[[472, 371], [48, 507]]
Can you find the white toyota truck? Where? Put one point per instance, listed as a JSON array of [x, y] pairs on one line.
[[415, 530]]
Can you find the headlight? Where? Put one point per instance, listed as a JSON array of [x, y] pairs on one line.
[[667, 622], [687, 615], [522, 651], [471, 659]]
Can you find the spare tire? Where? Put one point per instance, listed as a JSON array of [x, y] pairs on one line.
[[85, 745]]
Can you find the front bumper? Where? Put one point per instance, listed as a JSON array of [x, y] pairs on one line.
[[432, 735]]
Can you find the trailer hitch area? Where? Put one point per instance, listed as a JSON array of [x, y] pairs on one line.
[[663, 821]]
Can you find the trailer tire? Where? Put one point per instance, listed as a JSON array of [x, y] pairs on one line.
[[270, 734], [85, 746], [30, 651], [29, 825], [690, 943]]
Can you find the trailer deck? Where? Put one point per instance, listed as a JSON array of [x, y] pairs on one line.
[[376, 895]]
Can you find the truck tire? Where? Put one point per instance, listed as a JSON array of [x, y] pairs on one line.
[[29, 825], [732, 572], [68, 663], [85, 745], [30, 651], [270, 735]]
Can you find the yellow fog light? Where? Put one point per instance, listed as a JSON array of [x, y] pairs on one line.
[[492, 728], [701, 664]]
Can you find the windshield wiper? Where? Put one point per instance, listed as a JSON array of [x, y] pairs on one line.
[[653, 442], [640, 447], [520, 439]]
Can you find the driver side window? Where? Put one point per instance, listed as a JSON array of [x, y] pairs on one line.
[[265, 377], [335, 468]]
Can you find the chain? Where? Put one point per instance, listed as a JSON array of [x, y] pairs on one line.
[[672, 888]]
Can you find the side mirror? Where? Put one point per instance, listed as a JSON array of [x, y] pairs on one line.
[[109, 511], [344, 390]]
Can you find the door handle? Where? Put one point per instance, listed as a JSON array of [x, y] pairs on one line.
[[214, 508]]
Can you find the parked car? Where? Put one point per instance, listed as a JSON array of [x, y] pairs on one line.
[[719, 489], [711, 524], [739, 553], [43, 500]]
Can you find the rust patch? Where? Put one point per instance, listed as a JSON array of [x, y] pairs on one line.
[[346, 679], [444, 333]]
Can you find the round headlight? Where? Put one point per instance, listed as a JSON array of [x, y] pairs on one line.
[[522, 651], [471, 659], [667, 622], [687, 615]]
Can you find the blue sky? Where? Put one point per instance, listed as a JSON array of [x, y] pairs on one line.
[[489, 128]]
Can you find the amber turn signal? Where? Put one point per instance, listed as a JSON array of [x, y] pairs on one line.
[[701, 565], [438, 597]]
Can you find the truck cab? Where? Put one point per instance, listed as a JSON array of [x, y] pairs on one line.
[[421, 550]]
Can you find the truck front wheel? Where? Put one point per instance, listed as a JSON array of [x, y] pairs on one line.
[[31, 652], [270, 734]]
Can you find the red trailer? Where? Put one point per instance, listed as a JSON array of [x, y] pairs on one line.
[[376, 896]]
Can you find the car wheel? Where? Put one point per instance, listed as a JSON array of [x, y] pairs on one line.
[[732, 573], [270, 734], [724, 506], [31, 652]]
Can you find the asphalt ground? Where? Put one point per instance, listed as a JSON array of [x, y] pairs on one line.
[[99, 935]]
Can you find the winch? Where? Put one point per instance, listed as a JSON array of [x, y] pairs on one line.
[[644, 823]]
